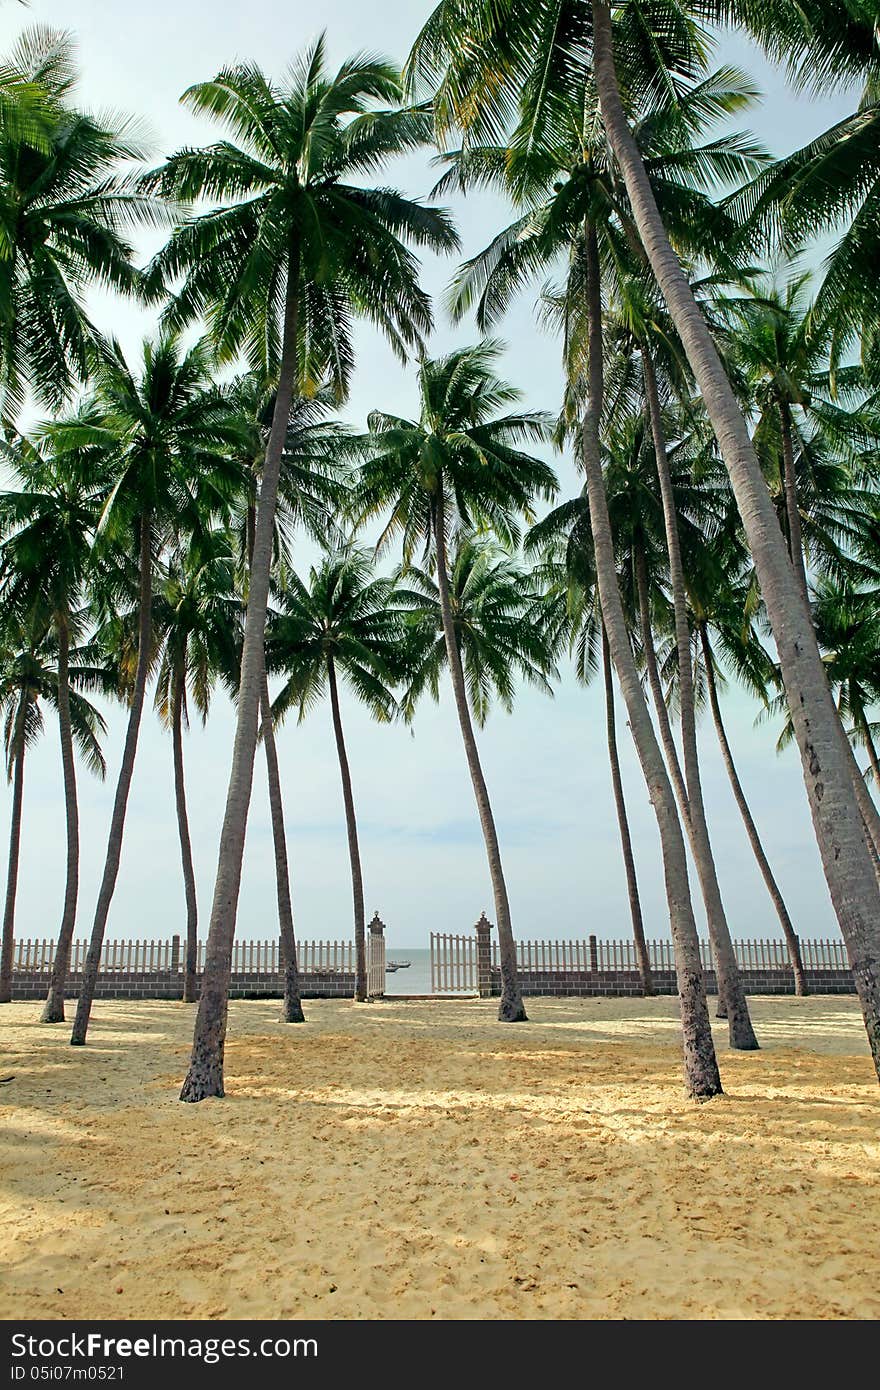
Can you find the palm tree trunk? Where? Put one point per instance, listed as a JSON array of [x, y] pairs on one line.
[[792, 510], [730, 987], [6, 954], [123, 786], [205, 1072], [53, 1009], [632, 886], [190, 983], [848, 868], [650, 654], [700, 1063], [511, 1008], [291, 1010], [788, 931], [357, 882]]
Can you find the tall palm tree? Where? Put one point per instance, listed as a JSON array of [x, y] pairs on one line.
[[483, 55], [568, 574], [499, 633], [457, 466], [825, 759], [167, 434], [28, 676], [574, 195], [45, 567], [730, 989], [196, 617], [298, 248], [310, 489], [343, 623], [66, 211]]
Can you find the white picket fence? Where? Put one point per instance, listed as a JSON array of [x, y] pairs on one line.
[[145, 957], [454, 958]]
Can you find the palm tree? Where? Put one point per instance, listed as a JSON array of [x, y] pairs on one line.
[[28, 675], [573, 193], [65, 214], [836, 816], [167, 434], [299, 249], [731, 994], [499, 632], [343, 623], [483, 56], [196, 619], [571, 596], [310, 489], [44, 571], [457, 466]]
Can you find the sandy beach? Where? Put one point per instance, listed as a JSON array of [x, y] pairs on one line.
[[420, 1160]]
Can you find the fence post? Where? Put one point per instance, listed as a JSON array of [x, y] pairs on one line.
[[594, 955], [484, 957], [376, 959], [175, 955]]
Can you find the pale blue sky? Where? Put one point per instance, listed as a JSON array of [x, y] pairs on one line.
[[546, 765]]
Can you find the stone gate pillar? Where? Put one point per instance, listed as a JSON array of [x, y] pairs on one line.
[[484, 957], [376, 959]]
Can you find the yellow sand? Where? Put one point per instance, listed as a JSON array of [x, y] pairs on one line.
[[420, 1160]]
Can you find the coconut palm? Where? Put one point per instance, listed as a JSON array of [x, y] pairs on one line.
[[343, 623], [310, 489], [574, 195], [836, 815], [645, 335], [482, 56], [298, 248], [568, 574], [167, 435], [500, 632], [66, 211], [494, 608], [29, 678], [45, 566], [456, 467], [196, 617]]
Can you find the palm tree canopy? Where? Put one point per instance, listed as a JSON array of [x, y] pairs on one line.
[[47, 520], [66, 213], [346, 615], [29, 678], [197, 618], [496, 617], [165, 437], [461, 454], [288, 185]]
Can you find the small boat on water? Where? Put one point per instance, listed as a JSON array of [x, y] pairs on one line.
[[392, 965]]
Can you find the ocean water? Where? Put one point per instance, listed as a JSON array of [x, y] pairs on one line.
[[415, 980]]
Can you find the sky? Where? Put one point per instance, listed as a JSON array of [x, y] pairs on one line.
[[546, 763]]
